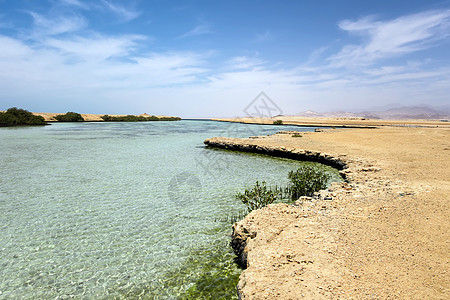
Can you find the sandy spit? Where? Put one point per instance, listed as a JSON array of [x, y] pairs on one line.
[[382, 235], [50, 117]]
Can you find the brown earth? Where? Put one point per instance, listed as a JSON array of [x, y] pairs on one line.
[[382, 235]]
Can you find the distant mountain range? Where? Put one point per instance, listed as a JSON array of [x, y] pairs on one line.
[[401, 112]]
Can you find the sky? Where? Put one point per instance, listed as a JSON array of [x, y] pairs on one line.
[[210, 58]]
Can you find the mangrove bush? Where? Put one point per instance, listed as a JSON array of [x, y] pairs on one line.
[[133, 118], [70, 117], [306, 180], [258, 196], [16, 116]]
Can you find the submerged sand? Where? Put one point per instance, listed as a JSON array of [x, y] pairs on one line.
[[384, 234]]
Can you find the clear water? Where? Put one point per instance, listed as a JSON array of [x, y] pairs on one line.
[[124, 210]]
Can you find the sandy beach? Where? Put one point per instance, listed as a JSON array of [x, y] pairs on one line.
[[384, 234]]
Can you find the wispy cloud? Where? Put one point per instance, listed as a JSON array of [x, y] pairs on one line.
[[201, 29], [392, 38], [95, 48], [125, 13], [59, 25], [263, 37], [4, 24], [244, 62], [75, 3]]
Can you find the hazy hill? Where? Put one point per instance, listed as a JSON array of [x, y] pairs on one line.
[[400, 112]]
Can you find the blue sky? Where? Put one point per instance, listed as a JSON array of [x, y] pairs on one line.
[[212, 58]]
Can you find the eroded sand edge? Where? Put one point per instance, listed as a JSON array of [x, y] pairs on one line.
[[384, 234]]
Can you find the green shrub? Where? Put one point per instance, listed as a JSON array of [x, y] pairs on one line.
[[258, 196], [168, 118], [106, 118], [70, 117], [306, 180], [8, 119], [278, 122], [296, 135], [131, 118], [16, 116]]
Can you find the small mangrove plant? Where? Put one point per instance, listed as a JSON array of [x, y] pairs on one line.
[[258, 196], [304, 181]]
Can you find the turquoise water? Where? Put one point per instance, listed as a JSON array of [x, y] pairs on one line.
[[124, 210]]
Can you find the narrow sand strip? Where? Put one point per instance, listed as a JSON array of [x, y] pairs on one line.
[[50, 117]]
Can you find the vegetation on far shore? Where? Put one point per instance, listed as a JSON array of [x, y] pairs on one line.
[[305, 181], [278, 122], [70, 117], [20, 117], [133, 118]]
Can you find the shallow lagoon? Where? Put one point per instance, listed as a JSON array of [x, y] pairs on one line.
[[124, 210]]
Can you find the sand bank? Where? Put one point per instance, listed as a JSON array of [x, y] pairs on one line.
[[383, 234], [50, 117]]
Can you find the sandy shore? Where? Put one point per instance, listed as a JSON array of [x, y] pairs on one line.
[[382, 235]]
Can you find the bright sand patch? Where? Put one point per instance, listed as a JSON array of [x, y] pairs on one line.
[[385, 234]]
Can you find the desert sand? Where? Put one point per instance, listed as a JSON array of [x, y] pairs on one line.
[[384, 234]]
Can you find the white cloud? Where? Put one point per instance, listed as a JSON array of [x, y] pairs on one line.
[[12, 48], [127, 14], [82, 68], [85, 64], [76, 3], [392, 38], [97, 47], [203, 28], [244, 62], [58, 25]]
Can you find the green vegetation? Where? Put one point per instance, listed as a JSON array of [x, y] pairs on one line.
[[70, 117], [207, 273], [306, 181], [296, 135], [278, 122], [15, 117], [132, 118], [258, 196]]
